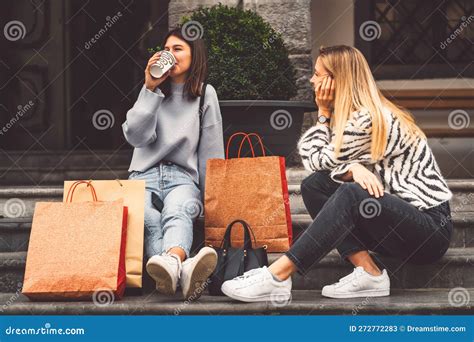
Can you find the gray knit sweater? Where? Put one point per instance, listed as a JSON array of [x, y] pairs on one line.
[[167, 128]]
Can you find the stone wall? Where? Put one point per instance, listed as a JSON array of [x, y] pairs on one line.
[[179, 8]]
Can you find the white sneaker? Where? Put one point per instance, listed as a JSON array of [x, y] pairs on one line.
[[165, 270], [258, 285], [359, 284], [196, 272]]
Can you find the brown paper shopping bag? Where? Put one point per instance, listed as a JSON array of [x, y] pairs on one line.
[[133, 194], [251, 189], [76, 250]]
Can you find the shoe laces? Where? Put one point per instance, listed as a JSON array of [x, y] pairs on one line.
[[353, 277], [248, 274], [178, 262]]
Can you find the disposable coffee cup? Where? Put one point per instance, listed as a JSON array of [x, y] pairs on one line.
[[163, 64]]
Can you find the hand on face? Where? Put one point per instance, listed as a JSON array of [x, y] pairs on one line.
[[324, 92], [324, 87]]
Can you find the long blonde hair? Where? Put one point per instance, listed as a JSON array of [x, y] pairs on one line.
[[355, 89]]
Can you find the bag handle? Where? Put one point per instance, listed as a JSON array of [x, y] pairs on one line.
[[73, 187], [246, 136], [230, 140], [226, 242], [250, 141]]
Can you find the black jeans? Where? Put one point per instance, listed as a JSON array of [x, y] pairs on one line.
[[347, 217]]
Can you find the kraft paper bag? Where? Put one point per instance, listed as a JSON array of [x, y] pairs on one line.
[[76, 250], [133, 194], [251, 189]]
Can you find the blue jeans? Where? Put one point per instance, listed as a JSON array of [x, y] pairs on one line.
[[348, 218], [173, 227]]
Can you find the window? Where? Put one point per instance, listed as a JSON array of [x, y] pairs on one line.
[[416, 39]]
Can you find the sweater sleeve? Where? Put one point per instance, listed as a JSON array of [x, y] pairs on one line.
[[340, 170], [317, 149], [140, 127], [212, 140]]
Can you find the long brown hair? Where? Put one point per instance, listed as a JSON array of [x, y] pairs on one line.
[[197, 72]]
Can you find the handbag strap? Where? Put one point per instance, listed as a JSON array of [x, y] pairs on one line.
[[73, 187], [201, 113], [226, 242]]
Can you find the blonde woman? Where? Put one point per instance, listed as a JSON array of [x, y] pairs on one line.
[[401, 210]]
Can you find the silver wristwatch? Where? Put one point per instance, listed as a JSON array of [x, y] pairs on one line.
[[322, 119]]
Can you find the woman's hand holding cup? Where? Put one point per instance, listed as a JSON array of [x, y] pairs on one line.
[[150, 82]]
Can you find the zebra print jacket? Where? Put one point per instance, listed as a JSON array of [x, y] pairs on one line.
[[407, 170]]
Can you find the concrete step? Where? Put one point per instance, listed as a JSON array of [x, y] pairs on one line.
[[307, 302], [15, 232], [52, 168], [75, 158], [453, 155], [19, 201], [40, 176], [453, 270]]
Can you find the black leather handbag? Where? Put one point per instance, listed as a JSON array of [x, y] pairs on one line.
[[233, 262]]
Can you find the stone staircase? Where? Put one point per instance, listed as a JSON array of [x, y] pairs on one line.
[[446, 286]]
